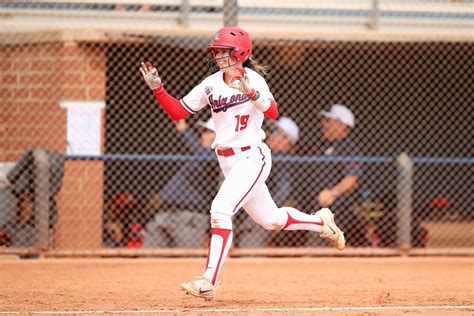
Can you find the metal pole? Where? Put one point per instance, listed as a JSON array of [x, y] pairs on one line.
[[231, 11], [374, 15], [185, 9], [404, 200], [41, 205]]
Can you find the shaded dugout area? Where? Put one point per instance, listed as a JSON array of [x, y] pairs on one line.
[[411, 97]]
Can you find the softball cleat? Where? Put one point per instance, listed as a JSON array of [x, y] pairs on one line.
[[201, 287], [331, 232]]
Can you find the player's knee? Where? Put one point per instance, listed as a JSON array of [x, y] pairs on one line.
[[221, 220], [221, 205], [276, 222], [272, 225]]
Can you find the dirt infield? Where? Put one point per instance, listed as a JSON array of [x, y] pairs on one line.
[[252, 286]]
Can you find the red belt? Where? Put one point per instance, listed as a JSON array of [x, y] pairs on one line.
[[230, 151]]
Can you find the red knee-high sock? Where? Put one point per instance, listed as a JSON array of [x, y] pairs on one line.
[[221, 240]]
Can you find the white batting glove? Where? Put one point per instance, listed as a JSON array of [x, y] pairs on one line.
[[150, 74], [242, 84]]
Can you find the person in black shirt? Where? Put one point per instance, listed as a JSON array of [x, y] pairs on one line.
[[334, 184], [336, 127]]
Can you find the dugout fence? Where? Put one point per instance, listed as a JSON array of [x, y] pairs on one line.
[[91, 165]]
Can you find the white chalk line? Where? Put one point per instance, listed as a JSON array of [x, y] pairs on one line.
[[245, 310]]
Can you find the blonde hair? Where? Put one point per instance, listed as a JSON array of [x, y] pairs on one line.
[[262, 70]]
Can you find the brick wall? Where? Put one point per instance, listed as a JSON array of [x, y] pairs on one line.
[[80, 206], [34, 78], [2, 135]]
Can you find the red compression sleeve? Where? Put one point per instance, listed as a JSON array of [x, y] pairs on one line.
[[171, 105], [272, 112]]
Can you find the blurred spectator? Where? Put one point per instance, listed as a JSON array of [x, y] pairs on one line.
[[123, 222], [282, 136], [334, 184], [186, 189], [282, 140], [185, 200], [337, 125]]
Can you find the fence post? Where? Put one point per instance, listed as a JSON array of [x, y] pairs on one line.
[[404, 200], [185, 9], [231, 10], [374, 15], [41, 205]]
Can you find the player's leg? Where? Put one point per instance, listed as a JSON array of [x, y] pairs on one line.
[[264, 211], [246, 173], [206, 286]]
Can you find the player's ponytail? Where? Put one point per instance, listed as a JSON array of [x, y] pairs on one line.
[[262, 70]]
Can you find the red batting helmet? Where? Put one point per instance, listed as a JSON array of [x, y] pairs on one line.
[[235, 39]]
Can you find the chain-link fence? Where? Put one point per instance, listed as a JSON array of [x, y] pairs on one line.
[[88, 160]]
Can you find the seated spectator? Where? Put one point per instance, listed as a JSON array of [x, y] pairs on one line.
[[186, 189], [336, 184], [188, 192], [330, 183], [123, 220]]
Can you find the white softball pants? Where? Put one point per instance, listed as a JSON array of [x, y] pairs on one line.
[[244, 186]]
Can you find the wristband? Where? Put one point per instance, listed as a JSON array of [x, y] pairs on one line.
[[253, 95], [257, 95], [159, 89]]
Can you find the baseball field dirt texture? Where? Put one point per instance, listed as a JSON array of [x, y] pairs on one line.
[[250, 286]]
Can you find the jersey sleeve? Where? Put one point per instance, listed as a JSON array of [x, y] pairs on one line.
[[262, 87], [196, 99]]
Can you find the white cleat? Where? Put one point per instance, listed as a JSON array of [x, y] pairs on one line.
[[201, 287], [330, 230]]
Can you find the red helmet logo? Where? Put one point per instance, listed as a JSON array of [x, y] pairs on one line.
[[235, 39]]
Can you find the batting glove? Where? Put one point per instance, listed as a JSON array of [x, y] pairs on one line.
[[241, 84], [150, 74]]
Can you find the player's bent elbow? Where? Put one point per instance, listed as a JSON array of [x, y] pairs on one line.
[[177, 113], [178, 117], [272, 112]]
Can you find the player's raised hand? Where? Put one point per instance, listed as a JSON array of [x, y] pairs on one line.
[[150, 74], [241, 83]]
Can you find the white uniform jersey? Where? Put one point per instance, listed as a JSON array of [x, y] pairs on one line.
[[237, 121]]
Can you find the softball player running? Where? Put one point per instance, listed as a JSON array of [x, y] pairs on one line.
[[239, 98]]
